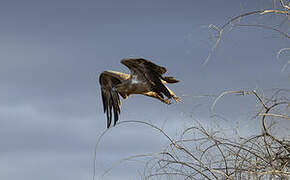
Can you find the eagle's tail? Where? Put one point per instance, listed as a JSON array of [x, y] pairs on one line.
[[170, 79]]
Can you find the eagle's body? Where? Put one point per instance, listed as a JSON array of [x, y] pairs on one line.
[[145, 78]]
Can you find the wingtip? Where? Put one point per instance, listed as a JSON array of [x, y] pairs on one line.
[[108, 124], [109, 118]]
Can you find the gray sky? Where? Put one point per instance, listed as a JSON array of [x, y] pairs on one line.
[[51, 53]]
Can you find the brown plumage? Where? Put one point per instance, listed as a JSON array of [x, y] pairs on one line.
[[146, 78]]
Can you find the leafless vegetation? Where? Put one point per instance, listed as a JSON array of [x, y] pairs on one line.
[[200, 153], [211, 154], [280, 9]]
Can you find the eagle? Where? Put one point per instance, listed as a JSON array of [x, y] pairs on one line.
[[146, 78]]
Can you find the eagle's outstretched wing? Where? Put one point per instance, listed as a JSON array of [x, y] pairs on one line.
[[152, 73], [110, 96]]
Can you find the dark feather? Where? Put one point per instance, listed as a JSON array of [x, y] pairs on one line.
[[110, 97], [151, 72], [154, 73], [151, 65], [170, 79], [158, 85]]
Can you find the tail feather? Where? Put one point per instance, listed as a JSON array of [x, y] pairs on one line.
[[170, 79]]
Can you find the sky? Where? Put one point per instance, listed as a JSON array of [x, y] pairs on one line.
[[52, 52]]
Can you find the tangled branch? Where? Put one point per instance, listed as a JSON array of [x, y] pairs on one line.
[[284, 11], [204, 154]]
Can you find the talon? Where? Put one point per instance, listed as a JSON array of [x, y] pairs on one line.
[[177, 99], [167, 101]]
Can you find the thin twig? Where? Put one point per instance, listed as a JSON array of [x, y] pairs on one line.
[[264, 27], [275, 115]]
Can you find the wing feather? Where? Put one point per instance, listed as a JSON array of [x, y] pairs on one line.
[[110, 97], [152, 72]]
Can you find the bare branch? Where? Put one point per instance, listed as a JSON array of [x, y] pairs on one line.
[[284, 5], [223, 94], [275, 115], [263, 26]]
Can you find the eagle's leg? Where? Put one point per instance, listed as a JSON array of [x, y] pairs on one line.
[[155, 95], [177, 99]]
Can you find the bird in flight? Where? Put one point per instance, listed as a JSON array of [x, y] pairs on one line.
[[146, 78]]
